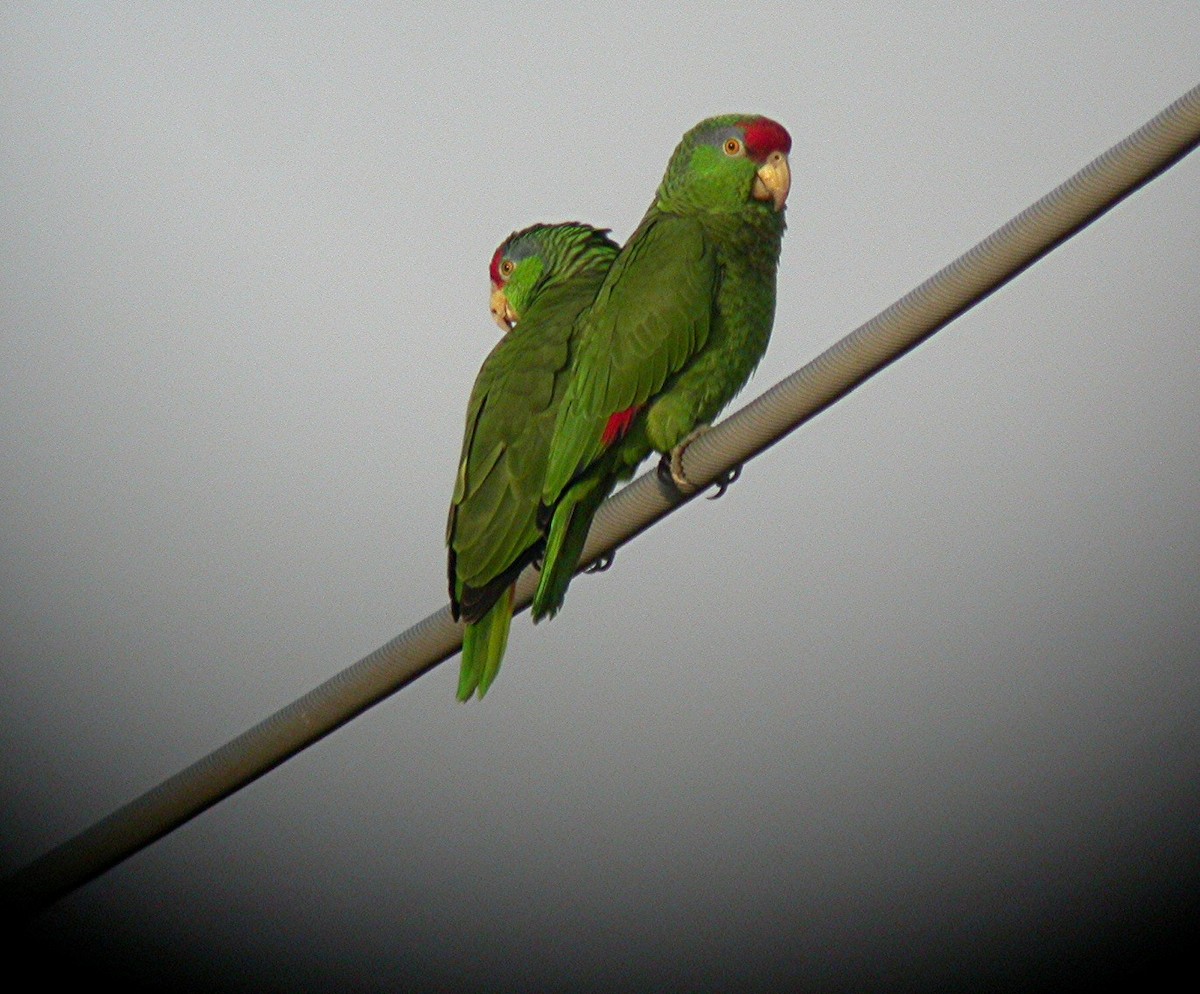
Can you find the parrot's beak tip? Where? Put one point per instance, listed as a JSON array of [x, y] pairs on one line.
[[502, 312], [773, 181]]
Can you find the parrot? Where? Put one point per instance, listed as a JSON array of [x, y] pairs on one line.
[[542, 278], [679, 324]]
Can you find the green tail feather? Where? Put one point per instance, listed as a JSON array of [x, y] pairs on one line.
[[564, 544], [484, 642]]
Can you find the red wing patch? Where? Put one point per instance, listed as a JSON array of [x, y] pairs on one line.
[[618, 425]]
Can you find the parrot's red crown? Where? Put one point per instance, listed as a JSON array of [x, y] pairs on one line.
[[765, 136], [494, 268]]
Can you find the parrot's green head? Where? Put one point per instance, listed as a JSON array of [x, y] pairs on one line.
[[729, 163], [540, 256]]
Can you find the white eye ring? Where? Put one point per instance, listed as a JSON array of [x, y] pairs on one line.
[[507, 267], [733, 146]]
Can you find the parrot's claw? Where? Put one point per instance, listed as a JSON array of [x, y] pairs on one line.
[[725, 481], [663, 472], [601, 564], [670, 467]]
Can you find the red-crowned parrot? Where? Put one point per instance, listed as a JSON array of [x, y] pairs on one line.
[[542, 278], [676, 329]]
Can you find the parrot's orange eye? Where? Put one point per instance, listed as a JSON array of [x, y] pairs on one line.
[[507, 267], [733, 146]]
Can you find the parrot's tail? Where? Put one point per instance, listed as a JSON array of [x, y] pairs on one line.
[[564, 544], [484, 642]]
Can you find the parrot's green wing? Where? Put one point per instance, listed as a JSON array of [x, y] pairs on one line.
[[652, 314], [492, 531], [567, 534]]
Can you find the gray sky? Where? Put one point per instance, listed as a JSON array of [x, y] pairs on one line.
[[917, 700]]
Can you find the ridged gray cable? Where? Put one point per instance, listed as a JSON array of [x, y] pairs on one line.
[[993, 262]]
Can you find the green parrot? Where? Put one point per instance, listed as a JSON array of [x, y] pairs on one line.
[[677, 327], [542, 279]]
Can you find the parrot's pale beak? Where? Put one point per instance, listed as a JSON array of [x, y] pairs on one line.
[[773, 180], [502, 312]]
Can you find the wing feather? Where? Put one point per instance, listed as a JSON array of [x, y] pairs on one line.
[[651, 315]]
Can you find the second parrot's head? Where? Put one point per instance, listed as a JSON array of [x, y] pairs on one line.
[[728, 162], [513, 271], [532, 259]]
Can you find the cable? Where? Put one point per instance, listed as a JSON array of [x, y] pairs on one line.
[[993, 262]]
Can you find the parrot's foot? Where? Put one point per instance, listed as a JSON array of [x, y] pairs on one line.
[[670, 469], [663, 472], [601, 564], [725, 481]]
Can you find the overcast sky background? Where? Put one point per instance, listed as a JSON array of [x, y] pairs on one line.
[[917, 701]]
